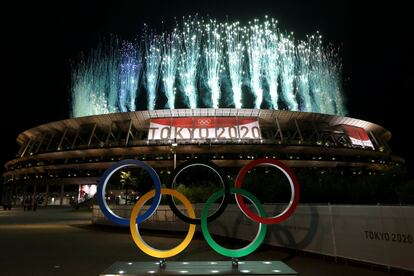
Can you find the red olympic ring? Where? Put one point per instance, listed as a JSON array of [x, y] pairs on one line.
[[294, 184]]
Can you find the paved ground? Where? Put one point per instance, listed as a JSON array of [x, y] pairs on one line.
[[58, 241]]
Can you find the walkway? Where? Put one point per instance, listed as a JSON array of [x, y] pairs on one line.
[[60, 241]]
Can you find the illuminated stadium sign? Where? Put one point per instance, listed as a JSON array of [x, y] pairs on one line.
[[204, 128], [358, 136]]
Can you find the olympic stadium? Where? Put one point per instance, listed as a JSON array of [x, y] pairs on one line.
[[76, 151]]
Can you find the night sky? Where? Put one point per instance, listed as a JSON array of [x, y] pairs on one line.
[[41, 42]]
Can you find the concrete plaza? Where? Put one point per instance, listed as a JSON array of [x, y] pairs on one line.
[[62, 241]]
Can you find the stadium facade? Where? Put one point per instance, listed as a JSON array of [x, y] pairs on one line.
[[64, 158]]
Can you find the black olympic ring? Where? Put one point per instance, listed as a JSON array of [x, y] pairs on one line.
[[204, 163]]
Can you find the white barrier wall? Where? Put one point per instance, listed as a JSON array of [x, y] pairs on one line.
[[376, 234]]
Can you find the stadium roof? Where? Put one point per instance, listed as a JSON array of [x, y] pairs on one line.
[[140, 119]]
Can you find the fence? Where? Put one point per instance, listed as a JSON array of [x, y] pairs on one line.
[[375, 233]]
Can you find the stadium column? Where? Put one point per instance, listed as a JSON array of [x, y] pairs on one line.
[[47, 194], [79, 192], [62, 190], [34, 195], [174, 152]]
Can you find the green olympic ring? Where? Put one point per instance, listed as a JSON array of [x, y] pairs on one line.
[[233, 253]]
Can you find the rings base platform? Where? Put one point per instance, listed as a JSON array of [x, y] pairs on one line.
[[199, 268]]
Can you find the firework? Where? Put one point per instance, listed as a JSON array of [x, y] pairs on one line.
[[202, 61]]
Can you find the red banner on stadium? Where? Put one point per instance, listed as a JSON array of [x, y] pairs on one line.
[[204, 128], [358, 136]]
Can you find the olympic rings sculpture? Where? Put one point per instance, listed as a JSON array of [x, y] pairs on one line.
[[135, 219]]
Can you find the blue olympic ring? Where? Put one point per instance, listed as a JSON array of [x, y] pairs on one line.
[[103, 181]]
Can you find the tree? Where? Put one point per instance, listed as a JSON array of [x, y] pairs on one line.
[[127, 180]]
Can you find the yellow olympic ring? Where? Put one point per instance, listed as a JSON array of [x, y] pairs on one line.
[[142, 244]]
